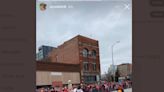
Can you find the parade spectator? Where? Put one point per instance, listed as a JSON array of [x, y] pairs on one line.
[[103, 87], [90, 88], [79, 89], [65, 89], [120, 89], [74, 88], [94, 89]]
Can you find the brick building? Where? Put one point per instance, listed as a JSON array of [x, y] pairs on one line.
[[79, 50], [125, 70]]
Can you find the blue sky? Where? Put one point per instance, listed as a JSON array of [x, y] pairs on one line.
[[106, 21]]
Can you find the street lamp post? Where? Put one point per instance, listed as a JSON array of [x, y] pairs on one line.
[[113, 59]]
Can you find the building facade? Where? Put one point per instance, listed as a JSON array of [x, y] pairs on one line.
[[43, 52], [79, 50], [125, 70], [48, 72]]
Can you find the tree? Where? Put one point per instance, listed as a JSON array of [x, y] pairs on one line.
[[117, 75], [109, 76]]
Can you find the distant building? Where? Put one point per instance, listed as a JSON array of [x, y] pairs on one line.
[[43, 52], [83, 51], [125, 70]]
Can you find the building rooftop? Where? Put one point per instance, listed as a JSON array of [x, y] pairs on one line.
[[76, 37], [125, 64]]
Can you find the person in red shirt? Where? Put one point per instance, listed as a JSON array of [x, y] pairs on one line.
[[65, 89]]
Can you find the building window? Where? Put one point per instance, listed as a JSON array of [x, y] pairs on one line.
[[94, 78], [86, 66], [93, 53], [94, 66], [85, 52], [89, 79]]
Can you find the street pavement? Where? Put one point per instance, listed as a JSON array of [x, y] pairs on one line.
[[126, 90]]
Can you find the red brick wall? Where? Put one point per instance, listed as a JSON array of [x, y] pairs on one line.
[[66, 53], [90, 44], [70, 52]]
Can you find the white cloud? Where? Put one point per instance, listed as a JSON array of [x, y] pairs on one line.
[[106, 22]]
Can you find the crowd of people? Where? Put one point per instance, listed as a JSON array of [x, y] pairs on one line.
[[101, 87]]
